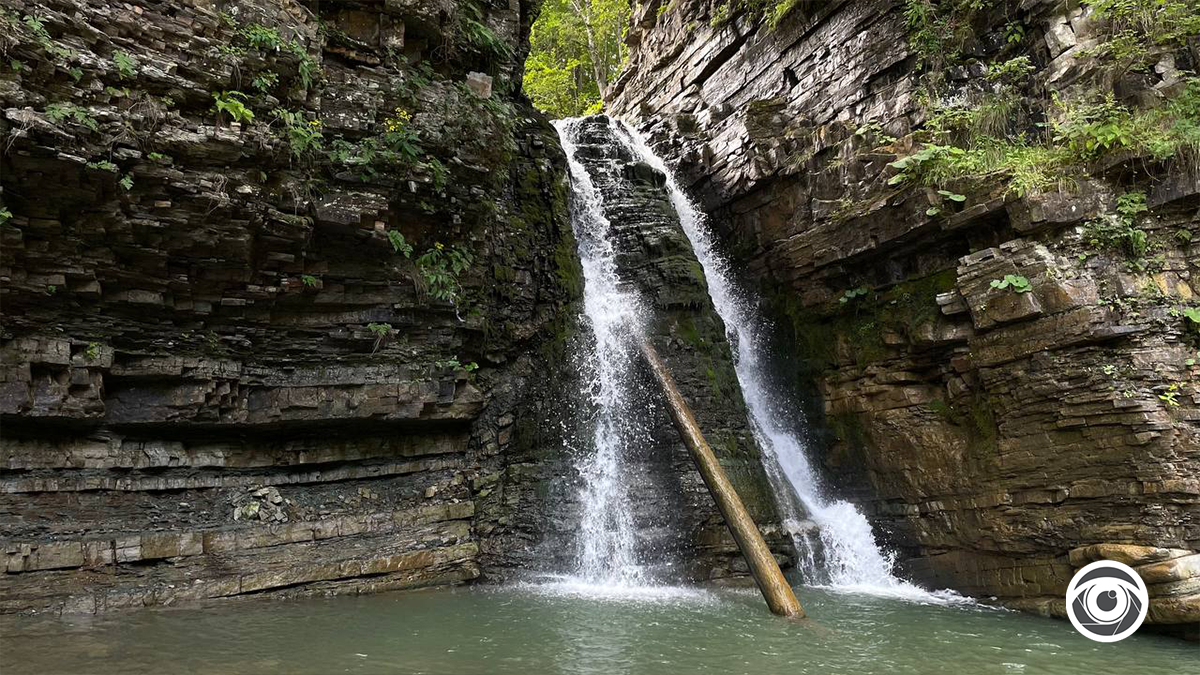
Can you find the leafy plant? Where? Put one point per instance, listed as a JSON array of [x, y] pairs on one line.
[[1119, 231], [5, 215], [262, 38], [265, 82], [1014, 32], [382, 331], [852, 294], [1192, 314], [267, 39], [1170, 396], [399, 245], [232, 103], [304, 137], [103, 165], [126, 65], [440, 267], [1089, 129], [438, 172], [308, 280], [1138, 29], [37, 27], [92, 352], [453, 364], [59, 112], [126, 182], [400, 137], [1016, 282], [946, 194]]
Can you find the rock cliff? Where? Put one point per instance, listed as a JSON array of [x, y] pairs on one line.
[[993, 315], [276, 278]]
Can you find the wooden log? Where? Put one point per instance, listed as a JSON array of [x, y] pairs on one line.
[[766, 572]]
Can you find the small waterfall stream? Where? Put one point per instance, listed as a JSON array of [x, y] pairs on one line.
[[607, 555], [851, 557]]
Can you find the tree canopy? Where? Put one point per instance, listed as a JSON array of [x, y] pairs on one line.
[[577, 49]]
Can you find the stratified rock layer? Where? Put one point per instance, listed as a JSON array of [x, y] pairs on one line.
[[989, 431]]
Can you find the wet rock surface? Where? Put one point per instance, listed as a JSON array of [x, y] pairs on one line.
[[990, 431]]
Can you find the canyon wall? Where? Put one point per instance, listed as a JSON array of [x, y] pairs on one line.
[[1000, 368], [277, 277], [289, 296]]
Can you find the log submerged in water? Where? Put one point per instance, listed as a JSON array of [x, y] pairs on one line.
[[763, 567]]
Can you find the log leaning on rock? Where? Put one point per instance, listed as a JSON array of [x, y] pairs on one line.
[[775, 588]]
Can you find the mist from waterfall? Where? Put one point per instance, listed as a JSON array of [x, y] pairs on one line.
[[851, 558]]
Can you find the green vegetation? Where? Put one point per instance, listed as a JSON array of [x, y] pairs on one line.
[[992, 133], [956, 147], [266, 39], [1016, 282], [103, 165], [399, 245], [1170, 395], [577, 48], [308, 280], [92, 352], [478, 36], [233, 104], [5, 215], [772, 11], [382, 331], [126, 65], [852, 294], [304, 137], [400, 137], [37, 27], [1137, 27], [440, 267], [1119, 231], [265, 82], [453, 364], [60, 112], [380, 328]]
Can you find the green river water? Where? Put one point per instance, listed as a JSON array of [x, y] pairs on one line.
[[554, 629]]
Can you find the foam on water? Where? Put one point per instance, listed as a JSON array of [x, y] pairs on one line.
[[576, 587]]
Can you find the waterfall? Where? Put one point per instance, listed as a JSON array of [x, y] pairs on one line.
[[851, 557], [607, 554]]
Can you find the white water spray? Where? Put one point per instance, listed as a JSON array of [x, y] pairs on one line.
[[852, 558], [607, 543]]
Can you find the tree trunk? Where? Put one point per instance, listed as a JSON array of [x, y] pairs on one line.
[[767, 574]]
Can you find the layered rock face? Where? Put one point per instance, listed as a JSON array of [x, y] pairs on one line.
[[675, 515], [1000, 384], [280, 281]]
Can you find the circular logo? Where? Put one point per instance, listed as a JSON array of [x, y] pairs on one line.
[[1107, 601]]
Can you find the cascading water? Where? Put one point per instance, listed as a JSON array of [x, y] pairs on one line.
[[607, 553], [852, 558]]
